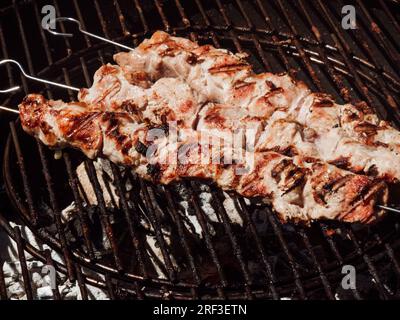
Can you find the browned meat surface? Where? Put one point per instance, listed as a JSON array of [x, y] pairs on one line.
[[348, 135], [299, 189]]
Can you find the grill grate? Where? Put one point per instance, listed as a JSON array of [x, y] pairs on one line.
[[301, 37]]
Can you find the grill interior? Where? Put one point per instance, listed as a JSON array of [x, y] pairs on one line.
[[144, 244]]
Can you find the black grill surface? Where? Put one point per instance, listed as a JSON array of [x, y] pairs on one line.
[[145, 244]]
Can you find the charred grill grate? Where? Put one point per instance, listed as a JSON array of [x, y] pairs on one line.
[[302, 37]]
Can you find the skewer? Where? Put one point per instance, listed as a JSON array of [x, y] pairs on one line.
[[33, 78], [10, 89], [64, 34], [379, 206], [67, 34], [9, 109], [388, 208]]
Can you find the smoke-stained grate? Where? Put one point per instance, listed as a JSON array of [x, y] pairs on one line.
[[133, 239]]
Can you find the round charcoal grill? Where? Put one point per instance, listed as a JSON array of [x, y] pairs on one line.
[[143, 242]]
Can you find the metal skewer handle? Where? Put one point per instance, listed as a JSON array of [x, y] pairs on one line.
[[66, 34], [9, 109], [10, 89], [33, 78], [388, 208]]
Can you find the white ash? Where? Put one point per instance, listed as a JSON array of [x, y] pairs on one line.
[[205, 198], [155, 253], [195, 225], [39, 280], [58, 154], [106, 180], [103, 170], [69, 212], [231, 210]]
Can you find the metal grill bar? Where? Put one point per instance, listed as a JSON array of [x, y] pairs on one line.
[[360, 35], [25, 180], [104, 214], [164, 19], [256, 37], [42, 35], [337, 254], [24, 268], [157, 228], [40, 255], [81, 282], [6, 56], [237, 251], [378, 36], [83, 217], [261, 251], [3, 289], [345, 52], [371, 267], [281, 55], [324, 279], [121, 18], [131, 223], [182, 236], [141, 16], [110, 287], [337, 79], [394, 22], [289, 256], [207, 238], [303, 55], [82, 21], [62, 27], [50, 262], [56, 212]]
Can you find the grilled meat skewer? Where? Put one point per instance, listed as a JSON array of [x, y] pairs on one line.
[[298, 190], [171, 99], [227, 79]]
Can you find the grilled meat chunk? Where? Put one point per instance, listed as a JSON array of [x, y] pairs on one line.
[[298, 190], [168, 99], [308, 126], [346, 131]]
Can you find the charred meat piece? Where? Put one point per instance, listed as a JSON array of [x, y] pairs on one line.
[[298, 190], [226, 79], [316, 132]]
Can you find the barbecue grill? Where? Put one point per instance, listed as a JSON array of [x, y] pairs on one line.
[[145, 244]]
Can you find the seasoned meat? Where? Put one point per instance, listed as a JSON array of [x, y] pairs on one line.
[[299, 189], [351, 132], [168, 99], [308, 126]]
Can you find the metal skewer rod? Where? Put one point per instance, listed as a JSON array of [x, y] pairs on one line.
[[66, 34], [34, 78], [9, 109], [388, 208], [10, 89]]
